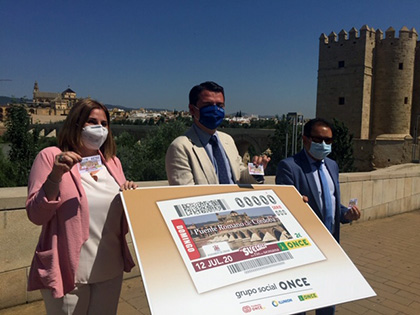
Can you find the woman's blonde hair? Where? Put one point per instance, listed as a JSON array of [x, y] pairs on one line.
[[69, 137]]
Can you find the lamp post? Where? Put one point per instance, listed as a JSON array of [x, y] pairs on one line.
[[296, 119]]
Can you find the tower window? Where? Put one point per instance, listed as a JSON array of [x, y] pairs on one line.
[[400, 66], [341, 101], [405, 100], [341, 64]]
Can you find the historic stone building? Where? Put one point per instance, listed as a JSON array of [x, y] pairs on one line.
[[239, 230], [52, 103], [371, 82]]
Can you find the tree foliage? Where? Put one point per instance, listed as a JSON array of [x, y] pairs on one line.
[[281, 144], [6, 171], [145, 160], [263, 123], [342, 148], [23, 144]]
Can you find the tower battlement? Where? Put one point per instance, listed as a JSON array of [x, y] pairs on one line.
[[368, 33], [404, 33], [369, 79], [353, 34]]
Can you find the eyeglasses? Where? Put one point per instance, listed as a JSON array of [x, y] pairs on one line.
[[320, 139]]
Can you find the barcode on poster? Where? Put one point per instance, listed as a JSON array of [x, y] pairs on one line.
[[259, 263], [201, 207]]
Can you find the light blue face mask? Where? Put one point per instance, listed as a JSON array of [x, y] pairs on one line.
[[320, 150]]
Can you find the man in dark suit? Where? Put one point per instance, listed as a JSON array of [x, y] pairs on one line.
[[316, 177]]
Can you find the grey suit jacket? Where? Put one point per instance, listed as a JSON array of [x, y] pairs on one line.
[[187, 162]]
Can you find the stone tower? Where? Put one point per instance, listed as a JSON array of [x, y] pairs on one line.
[[415, 110], [367, 81], [36, 88], [345, 78], [393, 82]]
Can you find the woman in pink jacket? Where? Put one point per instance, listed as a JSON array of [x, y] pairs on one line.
[[73, 194]]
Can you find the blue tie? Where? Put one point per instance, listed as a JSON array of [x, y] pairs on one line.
[[327, 204], [221, 166]]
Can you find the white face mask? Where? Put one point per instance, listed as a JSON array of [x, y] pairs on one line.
[[93, 137]]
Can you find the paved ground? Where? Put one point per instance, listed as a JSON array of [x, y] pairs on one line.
[[386, 252]]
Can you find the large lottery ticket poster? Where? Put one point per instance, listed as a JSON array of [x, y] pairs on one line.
[[232, 237], [232, 250]]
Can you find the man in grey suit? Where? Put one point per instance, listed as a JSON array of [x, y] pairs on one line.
[[204, 155], [316, 177]]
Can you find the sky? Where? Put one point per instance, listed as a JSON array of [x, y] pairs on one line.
[[149, 54]]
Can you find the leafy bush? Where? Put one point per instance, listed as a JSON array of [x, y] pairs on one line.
[[342, 148], [23, 145], [145, 160]]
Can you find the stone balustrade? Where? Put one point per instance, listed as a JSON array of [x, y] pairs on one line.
[[380, 194]]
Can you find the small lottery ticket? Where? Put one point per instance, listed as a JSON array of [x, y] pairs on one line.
[[255, 169], [352, 202], [90, 164]]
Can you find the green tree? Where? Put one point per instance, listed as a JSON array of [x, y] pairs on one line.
[[225, 124], [23, 144], [160, 121], [342, 148], [145, 160], [127, 151], [6, 171], [263, 123], [44, 142], [187, 121], [278, 143]]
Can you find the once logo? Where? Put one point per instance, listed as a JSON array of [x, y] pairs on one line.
[[246, 309]]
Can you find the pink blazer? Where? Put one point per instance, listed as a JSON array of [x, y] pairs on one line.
[[65, 224]]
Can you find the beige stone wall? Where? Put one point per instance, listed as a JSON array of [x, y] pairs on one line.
[[378, 80], [353, 81], [367, 82], [392, 150], [384, 192], [394, 74], [415, 109], [385, 151], [363, 155], [380, 194], [46, 119]]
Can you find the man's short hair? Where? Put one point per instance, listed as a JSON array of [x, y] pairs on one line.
[[307, 129], [209, 86]]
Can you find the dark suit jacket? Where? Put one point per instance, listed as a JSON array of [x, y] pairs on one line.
[[296, 171]]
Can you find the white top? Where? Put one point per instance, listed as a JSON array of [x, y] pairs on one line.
[[101, 255]]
